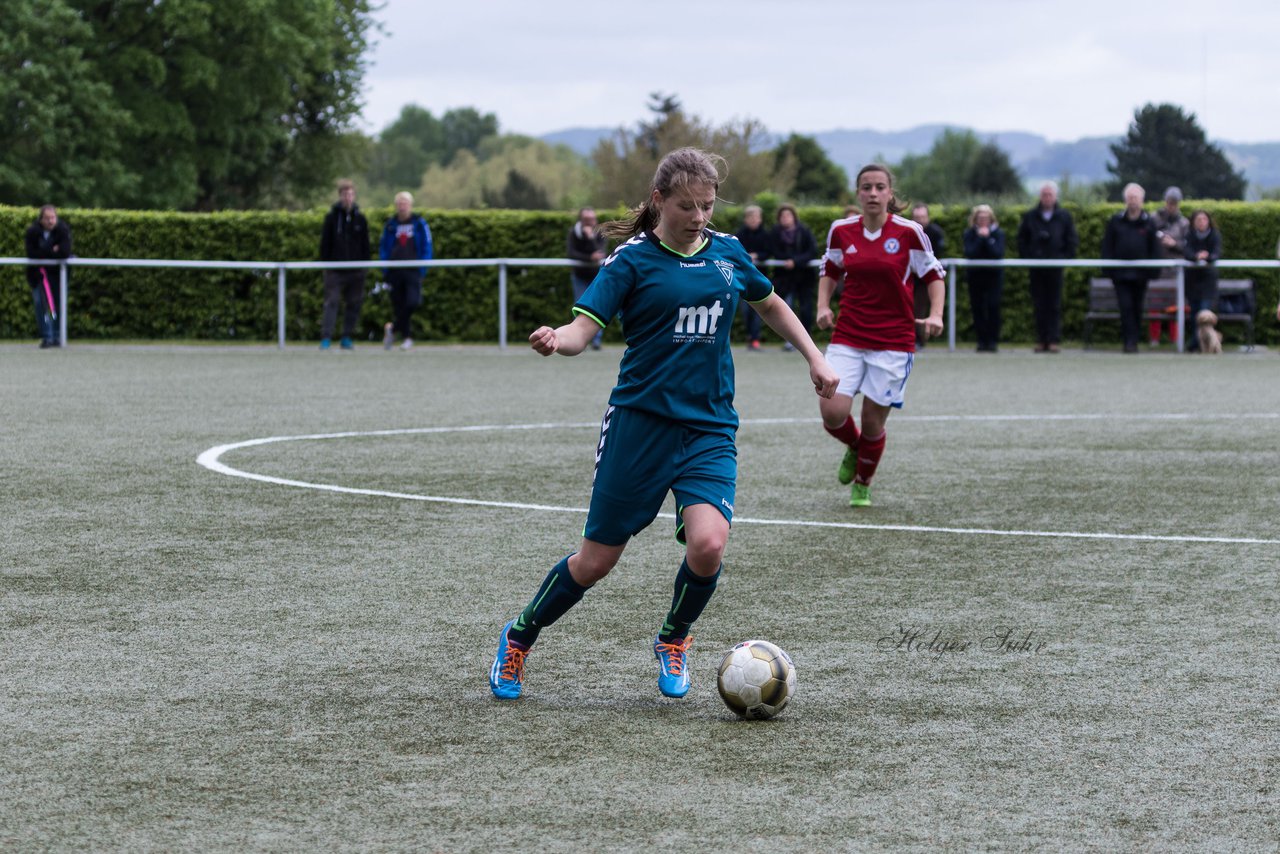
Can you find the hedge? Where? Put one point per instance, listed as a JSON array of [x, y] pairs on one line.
[[461, 304]]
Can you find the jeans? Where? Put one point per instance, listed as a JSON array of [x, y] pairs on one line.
[[340, 285], [46, 327]]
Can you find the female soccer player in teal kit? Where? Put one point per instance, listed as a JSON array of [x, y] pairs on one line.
[[670, 423]]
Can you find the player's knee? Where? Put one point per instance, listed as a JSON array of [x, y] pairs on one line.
[[705, 551], [588, 568]]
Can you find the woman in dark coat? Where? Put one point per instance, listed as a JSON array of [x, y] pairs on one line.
[[984, 240], [795, 281], [1203, 248]]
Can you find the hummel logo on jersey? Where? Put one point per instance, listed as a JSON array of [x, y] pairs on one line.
[[726, 270], [686, 264], [698, 321]]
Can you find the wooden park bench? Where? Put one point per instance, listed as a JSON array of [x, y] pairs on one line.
[[1236, 304]]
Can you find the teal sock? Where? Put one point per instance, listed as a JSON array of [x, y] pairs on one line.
[[558, 593], [692, 594]]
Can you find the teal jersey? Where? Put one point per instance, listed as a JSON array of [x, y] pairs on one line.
[[676, 314]]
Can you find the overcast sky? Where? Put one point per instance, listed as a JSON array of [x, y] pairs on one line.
[[1061, 69]]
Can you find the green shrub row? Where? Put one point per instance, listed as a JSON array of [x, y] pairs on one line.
[[461, 304]]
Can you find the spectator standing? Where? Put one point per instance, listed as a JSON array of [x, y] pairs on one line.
[[755, 238], [984, 240], [938, 243], [586, 245], [405, 237], [794, 245], [1131, 236], [1171, 230], [47, 237], [1203, 247], [1047, 231], [344, 237]]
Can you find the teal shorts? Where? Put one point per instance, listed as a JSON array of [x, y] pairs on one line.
[[640, 458]]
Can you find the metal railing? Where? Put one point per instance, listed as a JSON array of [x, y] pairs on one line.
[[503, 264]]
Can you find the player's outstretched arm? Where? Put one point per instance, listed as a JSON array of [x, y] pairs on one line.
[[781, 319], [568, 340]]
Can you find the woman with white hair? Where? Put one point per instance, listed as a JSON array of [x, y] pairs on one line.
[[405, 237]]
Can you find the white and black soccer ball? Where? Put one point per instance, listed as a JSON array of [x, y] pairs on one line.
[[757, 679]]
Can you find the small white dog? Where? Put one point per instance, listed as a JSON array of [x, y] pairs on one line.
[[1206, 328]]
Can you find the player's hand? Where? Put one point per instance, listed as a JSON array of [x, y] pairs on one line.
[[824, 379], [544, 340], [826, 318], [932, 325]]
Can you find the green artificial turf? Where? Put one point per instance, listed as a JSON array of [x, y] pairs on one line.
[[196, 661]]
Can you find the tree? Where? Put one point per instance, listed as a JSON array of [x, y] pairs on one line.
[[511, 172], [190, 104], [818, 179], [627, 160], [958, 168], [61, 126], [417, 140], [1167, 147]]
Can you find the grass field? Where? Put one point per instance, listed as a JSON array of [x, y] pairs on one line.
[[198, 661]]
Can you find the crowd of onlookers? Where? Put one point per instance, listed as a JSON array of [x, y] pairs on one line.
[[785, 250]]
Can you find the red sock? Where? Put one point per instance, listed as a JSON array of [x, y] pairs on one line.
[[846, 432], [869, 451]]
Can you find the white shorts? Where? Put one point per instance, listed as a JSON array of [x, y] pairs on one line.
[[881, 375]]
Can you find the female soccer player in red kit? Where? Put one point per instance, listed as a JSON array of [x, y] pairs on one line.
[[878, 255]]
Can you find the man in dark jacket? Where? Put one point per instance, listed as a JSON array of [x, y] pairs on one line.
[[47, 237], [1047, 231], [758, 242], [586, 245], [345, 238], [1131, 236], [938, 241]]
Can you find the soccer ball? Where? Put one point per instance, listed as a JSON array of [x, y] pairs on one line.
[[756, 679]]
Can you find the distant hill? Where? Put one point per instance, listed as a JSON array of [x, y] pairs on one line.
[[1035, 157]]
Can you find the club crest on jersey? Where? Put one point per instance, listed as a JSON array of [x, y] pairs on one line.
[[726, 270], [891, 245]]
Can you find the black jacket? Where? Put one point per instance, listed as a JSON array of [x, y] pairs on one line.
[[1052, 238], [580, 247], [989, 248], [937, 239], [757, 242], [57, 244], [1131, 240], [803, 250], [345, 236], [1202, 279]]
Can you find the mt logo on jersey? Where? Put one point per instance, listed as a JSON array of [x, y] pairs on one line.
[[698, 322]]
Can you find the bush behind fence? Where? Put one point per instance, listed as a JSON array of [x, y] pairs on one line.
[[461, 304]]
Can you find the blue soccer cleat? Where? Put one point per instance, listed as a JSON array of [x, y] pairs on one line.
[[506, 677], [673, 671]]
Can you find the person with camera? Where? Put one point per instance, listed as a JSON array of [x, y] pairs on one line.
[[1047, 231]]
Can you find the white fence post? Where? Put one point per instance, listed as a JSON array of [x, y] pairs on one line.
[[951, 307], [62, 303], [502, 305], [281, 273]]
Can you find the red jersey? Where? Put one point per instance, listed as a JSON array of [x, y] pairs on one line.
[[879, 269]]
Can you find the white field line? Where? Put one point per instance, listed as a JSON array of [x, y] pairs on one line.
[[211, 459]]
